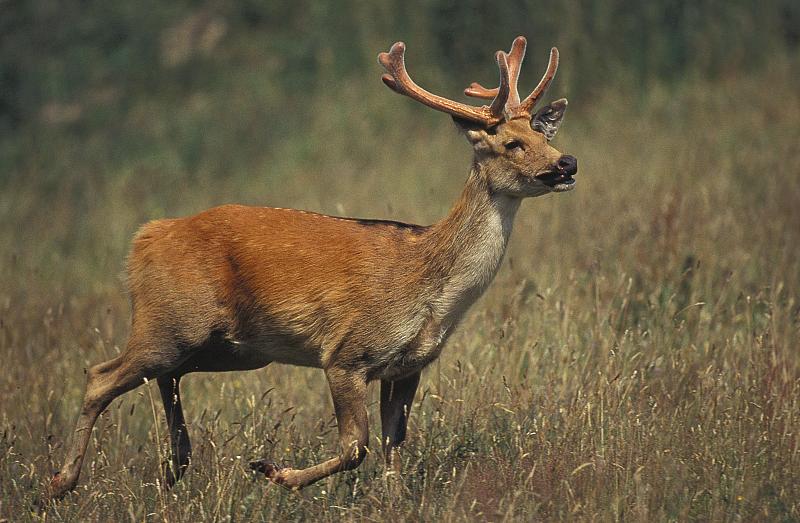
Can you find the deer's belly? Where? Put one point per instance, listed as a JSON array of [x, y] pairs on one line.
[[274, 348]]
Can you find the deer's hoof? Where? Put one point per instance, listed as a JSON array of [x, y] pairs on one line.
[[269, 468], [172, 473], [169, 475], [59, 486], [283, 476]]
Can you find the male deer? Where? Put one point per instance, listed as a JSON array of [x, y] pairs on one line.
[[237, 288]]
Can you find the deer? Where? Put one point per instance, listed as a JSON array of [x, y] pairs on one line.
[[236, 288]]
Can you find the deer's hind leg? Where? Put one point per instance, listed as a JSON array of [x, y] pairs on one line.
[[143, 359], [180, 446]]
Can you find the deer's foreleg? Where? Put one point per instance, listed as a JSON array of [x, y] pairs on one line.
[[396, 399], [348, 390]]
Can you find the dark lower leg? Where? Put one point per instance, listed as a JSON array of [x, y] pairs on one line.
[[396, 399], [180, 446]]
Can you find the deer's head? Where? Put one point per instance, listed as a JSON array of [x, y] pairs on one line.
[[511, 142]]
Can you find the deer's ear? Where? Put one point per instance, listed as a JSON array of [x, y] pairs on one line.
[[474, 132], [548, 119]]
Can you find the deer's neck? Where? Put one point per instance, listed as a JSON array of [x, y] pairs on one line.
[[465, 249]]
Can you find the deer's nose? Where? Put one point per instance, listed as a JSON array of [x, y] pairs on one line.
[[567, 165]]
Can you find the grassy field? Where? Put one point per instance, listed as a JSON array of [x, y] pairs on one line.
[[635, 359]]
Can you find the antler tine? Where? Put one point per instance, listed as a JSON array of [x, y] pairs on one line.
[[504, 91], [476, 90], [515, 107], [552, 66], [400, 82], [514, 58]]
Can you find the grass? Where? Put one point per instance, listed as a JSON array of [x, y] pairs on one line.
[[635, 359]]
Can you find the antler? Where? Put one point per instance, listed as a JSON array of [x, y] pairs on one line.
[[400, 82], [515, 108], [514, 59]]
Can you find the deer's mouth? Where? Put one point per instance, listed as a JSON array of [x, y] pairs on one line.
[[558, 182]]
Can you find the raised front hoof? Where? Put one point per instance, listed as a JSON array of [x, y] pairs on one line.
[[265, 466], [275, 473], [60, 486]]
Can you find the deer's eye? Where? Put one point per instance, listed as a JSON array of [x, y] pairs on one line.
[[514, 144]]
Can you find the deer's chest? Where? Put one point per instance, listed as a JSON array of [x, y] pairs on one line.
[[416, 354]]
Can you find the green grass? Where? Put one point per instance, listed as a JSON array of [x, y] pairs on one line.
[[635, 359]]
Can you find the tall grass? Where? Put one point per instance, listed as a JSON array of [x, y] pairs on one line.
[[636, 357]]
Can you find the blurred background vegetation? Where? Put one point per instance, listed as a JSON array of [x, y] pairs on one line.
[[166, 102], [636, 357]]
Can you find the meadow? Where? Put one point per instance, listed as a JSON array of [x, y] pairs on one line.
[[635, 359]]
